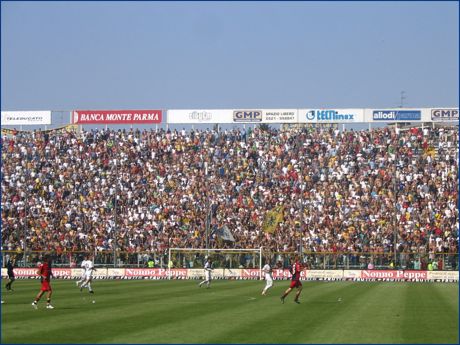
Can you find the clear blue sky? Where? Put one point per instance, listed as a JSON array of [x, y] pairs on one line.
[[122, 55]]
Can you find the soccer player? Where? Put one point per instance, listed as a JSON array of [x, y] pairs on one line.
[[89, 268], [268, 277], [10, 266], [44, 271], [207, 273], [295, 281], [83, 274]]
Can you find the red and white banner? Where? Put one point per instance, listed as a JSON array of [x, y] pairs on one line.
[[83, 117], [250, 273], [278, 274], [155, 272], [32, 272], [393, 274]]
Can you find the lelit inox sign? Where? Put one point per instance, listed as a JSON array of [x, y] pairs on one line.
[[396, 115], [329, 115], [444, 114]]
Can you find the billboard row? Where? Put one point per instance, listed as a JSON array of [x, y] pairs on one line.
[[278, 274], [12, 118], [311, 115]]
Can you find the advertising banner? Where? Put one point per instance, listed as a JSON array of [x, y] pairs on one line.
[[324, 274], [250, 273], [85, 117], [32, 272], [330, 115], [444, 115], [393, 115], [393, 274], [286, 274], [265, 116], [246, 274], [279, 115], [443, 275], [155, 272], [200, 116], [115, 272], [26, 117]]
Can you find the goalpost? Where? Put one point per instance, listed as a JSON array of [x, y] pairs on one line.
[[226, 259]]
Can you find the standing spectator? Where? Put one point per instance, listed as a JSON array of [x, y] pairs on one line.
[[10, 271]]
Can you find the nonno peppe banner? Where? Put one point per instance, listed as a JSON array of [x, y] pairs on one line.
[[85, 117], [155, 272], [278, 274], [26, 117]]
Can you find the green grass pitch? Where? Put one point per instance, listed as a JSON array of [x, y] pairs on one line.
[[177, 311]]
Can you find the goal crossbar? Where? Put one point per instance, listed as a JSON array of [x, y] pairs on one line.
[[217, 251]]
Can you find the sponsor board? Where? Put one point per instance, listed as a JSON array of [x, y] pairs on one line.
[[331, 115], [396, 115], [200, 116], [195, 273], [250, 273], [247, 116], [115, 272], [351, 274], [31, 272], [26, 117], [324, 274], [83, 117], [278, 273], [155, 272], [443, 275], [444, 114], [232, 272], [279, 115], [393, 274]]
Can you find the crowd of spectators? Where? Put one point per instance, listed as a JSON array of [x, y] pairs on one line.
[[148, 190]]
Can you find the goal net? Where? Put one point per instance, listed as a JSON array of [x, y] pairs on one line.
[[226, 263]]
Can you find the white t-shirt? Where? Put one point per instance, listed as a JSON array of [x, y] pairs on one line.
[[208, 266], [268, 271], [88, 266]]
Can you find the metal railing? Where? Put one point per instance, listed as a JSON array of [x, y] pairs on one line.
[[314, 260]]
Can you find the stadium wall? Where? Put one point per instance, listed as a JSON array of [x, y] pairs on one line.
[[244, 274]]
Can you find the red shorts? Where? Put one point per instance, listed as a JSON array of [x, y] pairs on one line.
[[45, 286], [295, 284]]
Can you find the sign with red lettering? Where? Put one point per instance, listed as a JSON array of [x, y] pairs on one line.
[[156, 272], [393, 274], [85, 117], [32, 272]]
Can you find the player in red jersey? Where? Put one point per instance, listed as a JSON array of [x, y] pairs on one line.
[[296, 268], [44, 271]]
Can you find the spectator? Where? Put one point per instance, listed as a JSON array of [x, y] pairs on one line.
[[144, 191]]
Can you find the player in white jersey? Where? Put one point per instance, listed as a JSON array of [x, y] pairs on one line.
[[207, 273], [83, 275], [88, 265], [268, 277]]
